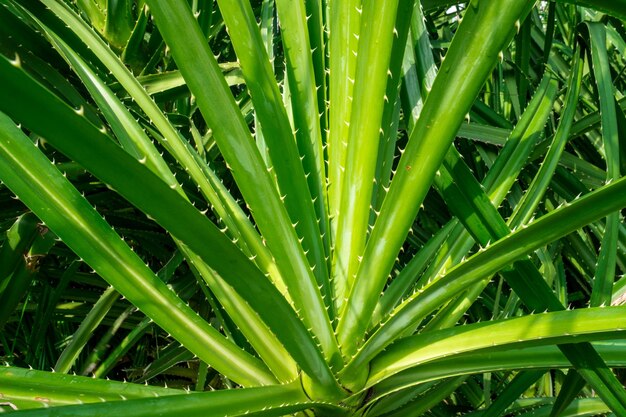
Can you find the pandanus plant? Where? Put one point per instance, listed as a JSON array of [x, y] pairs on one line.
[[312, 207]]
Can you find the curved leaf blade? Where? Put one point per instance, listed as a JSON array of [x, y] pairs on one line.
[[43, 188]]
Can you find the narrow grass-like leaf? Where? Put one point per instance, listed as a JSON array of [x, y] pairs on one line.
[[136, 183], [43, 389], [287, 159], [306, 78], [547, 328], [86, 329], [570, 389], [31, 176], [424, 402], [168, 357], [605, 270], [122, 348], [427, 146], [409, 274], [170, 139], [375, 46], [344, 26], [135, 141], [527, 206], [520, 383], [524, 240], [522, 61], [392, 106], [200, 69], [45, 313], [104, 341], [263, 401], [530, 358]]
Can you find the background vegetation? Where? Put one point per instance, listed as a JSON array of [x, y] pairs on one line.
[[312, 207]]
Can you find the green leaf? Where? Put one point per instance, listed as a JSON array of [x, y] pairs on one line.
[[287, 159], [546, 328], [514, 390], [570, 389], [410, 273], [471, 57], [266, 401], [614, 7], [306, 78], [86, 329], [344, 22], [605, 270], [532, 197], [368, 102], [119, 22], [223, 202], [41, 389], [199, 67], [135, 141], [530, 358], [136, 183], [54, 200], [490, 260]]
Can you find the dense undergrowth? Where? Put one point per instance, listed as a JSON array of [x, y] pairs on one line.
[[312, 207]]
